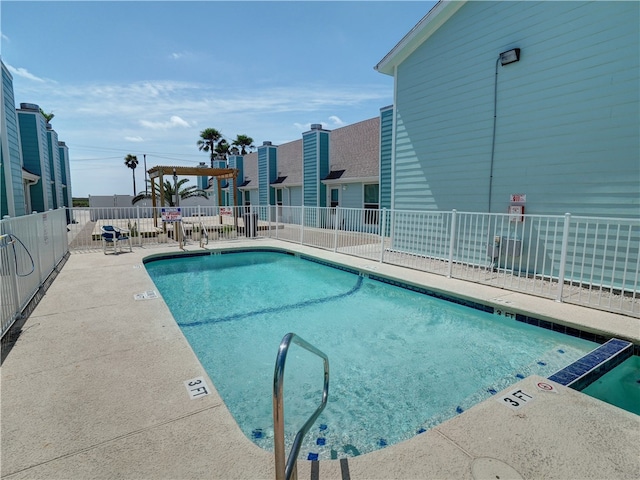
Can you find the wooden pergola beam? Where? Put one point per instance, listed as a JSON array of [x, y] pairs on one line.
[[158, 172]]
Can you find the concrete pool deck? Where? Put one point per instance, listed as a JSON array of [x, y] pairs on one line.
[[94, 388]]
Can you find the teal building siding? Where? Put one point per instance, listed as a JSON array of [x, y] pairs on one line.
[[567, 123], [351, 195], [386, 146], [12, 194], [54, 168], [315, 165], [310, 170], [216, 194], [203, 181], [236, 161], [295, 194], [63, 152], [35, 155], [267, 173]]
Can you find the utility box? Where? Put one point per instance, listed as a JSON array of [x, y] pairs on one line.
[[504, 247]]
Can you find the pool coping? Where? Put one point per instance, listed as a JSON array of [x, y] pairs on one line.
[[143, 424]]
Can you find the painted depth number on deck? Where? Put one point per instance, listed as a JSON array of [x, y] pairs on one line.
[[515, 399], [196, 387]]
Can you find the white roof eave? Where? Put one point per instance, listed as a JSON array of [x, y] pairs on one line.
[[343, 181], [432, 21]]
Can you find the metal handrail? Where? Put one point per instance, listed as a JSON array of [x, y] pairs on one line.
[[203, 235], [289, 470]]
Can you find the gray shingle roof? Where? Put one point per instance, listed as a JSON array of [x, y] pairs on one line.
[[250, 170], [290, 163], [356, 149]]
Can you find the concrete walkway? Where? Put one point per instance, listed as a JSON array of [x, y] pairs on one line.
[[94, 387]]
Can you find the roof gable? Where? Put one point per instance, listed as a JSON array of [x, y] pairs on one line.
[[431, 22]]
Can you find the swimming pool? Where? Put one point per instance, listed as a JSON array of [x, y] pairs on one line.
[[620, 386], [401, 362]]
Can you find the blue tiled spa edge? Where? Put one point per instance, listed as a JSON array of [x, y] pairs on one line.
[[594, 364]]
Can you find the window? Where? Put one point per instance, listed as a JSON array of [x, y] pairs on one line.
[[278, 196], [371, 199]]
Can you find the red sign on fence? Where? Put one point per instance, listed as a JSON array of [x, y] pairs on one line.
[[171, 214]]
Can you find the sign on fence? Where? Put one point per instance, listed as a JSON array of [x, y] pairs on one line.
[[226, 211], [171, 214]]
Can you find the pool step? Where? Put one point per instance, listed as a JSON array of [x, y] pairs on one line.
[[329, 470], [586, 370]]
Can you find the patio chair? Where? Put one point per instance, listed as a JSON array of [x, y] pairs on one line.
[[113, 236]]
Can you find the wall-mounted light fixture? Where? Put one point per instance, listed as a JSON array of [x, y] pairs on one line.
[[510, 56]]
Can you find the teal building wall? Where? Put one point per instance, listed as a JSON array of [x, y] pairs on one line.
[[567, 114], [203, 181], [35, 155], [315, 164], [12, 194], [67, 193], [386, 146], [267, 173], [218, 164], [236, 161], [55, 168]]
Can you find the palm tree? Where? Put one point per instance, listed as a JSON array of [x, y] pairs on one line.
[[131, 161], [222, 149], [208, 139], [48, 116], [170, 192], [243, 142]]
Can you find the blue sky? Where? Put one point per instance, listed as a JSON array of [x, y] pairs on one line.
[[148, 77]]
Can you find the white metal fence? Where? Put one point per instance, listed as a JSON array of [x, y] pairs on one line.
[[31, 247], [588, 261]]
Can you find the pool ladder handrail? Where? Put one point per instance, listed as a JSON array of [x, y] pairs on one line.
[[289, 469], [203, 235]]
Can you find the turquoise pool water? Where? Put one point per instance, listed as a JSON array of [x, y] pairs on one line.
[[620, 386], [401, 362]]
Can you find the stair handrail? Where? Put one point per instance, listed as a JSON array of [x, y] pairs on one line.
[[289, 469]]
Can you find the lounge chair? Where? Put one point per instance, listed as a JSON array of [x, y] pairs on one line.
[[113, 236]]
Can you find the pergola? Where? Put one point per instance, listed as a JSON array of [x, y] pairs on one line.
[[158, 172]]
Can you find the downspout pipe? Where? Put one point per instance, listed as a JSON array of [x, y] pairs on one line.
[[493, 136]]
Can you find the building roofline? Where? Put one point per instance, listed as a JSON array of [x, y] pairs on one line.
[[432, 21]]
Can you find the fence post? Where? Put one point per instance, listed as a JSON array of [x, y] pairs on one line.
[[563, 256], [335, 229], [452, 241], [138, 226], [38, 234], [302, 226], [383, 228]]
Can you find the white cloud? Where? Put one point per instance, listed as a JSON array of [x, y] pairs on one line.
[[176, 56], [174, 121], [303, 127], [336, 121], [24, 73], [4, 37], [134, 139]]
